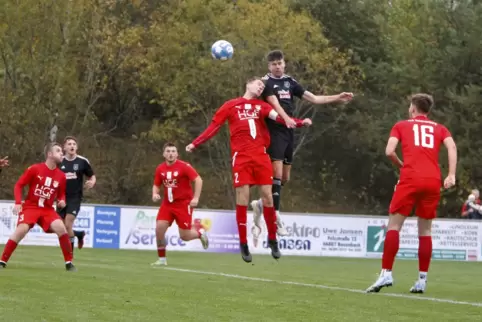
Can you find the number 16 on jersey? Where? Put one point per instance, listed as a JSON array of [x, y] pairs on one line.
[[423, 135]]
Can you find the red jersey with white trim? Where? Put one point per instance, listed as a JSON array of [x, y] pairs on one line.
[[421, 139], [247, 127], [45, 185], [176, 179]]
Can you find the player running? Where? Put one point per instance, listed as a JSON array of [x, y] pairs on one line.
[[419, 185], [46, 182], [280, 92], [75, 168], [179, 200], [250, 163]]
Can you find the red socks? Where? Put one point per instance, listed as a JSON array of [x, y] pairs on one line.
[[241, 219], [161, 252], [66, 247], [8, 250], [390, 250], [424, 253], [270, 219]]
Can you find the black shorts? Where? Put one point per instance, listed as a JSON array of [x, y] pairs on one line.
[[73, 208], [281, 147]]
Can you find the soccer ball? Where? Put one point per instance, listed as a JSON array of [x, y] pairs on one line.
[[222, 50]]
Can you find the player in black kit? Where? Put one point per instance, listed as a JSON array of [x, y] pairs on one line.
[[75, 167], [279, 92]]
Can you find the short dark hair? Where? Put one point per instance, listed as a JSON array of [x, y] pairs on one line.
[[275, 55], [70, 137], [423, 102], [49, 146], [168, 145], [252, 79]]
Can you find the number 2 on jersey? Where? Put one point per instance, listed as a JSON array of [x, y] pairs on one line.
[[423, 136]]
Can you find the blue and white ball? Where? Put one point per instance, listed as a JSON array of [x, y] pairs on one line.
[[222, 50]]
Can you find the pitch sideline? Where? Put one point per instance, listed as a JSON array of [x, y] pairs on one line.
[[334, 288]]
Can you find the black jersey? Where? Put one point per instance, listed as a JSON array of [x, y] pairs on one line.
[[74, 171], [285, 89]]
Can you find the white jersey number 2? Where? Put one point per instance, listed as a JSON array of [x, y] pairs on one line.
[[423, 135]]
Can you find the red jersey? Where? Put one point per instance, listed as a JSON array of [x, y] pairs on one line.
[[176, 179], [421, 139], [248, 131], [45, 185]]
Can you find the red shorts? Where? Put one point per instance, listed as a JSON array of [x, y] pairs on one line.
[[43, 217], [253, 170], [181, 212], [423, 195]]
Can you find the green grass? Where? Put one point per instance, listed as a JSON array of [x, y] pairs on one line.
[[120, 285]]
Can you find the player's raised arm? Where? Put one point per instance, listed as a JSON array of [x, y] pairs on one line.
[[327, 99], [269, 112], [3, 163], [452, 156], [24, 180], [273, 101], [217, 122]]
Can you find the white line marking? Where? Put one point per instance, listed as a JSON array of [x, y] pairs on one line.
[[335, 288]]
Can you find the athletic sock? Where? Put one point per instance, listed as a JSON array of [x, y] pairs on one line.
[[276, 189], [241, 218], [424, 253], [8, 250], [66, 247], [270, 219], [390, 249]]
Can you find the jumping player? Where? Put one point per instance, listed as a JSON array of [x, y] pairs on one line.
[[419, 185], [75, 168], [46, 183], [250, 163], [179, 200], [280, 92]]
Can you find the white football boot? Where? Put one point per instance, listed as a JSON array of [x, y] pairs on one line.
[[281, 226], [420, 285], [256, 230], [384, 280], [204, 238], [160, 262]]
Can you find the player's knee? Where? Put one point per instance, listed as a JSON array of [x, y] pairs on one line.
[[184, 235], [58, 227], [20, 232], [424, 227], [277, 169], [267, 196], [267, 201], [242, 195]]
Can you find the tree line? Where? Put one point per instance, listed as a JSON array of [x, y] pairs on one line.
[[126, 76]]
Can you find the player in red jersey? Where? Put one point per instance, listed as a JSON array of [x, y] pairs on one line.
[[418, 187], [179, 200], [251, 164], [46, 183]]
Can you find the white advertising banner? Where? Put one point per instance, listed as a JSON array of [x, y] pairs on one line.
[[452, 240], [36, 236], [316, 236], [137, 231], [108, 226]]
